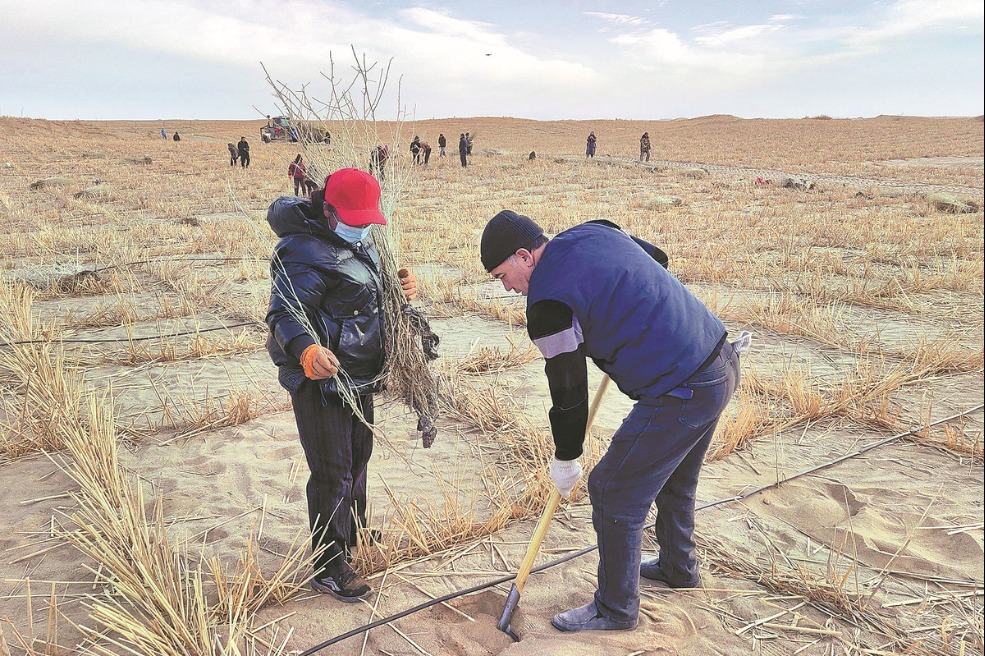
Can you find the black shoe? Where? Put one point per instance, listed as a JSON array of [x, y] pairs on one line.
[[346, 586], [650, 570]]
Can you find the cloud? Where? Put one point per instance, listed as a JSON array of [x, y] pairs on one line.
[[917, 17], [295, 39], [212, 50], [738, 36], [618, 19], [440, 23], [205, 31], [467, 44], [731, 54], [666, 54]]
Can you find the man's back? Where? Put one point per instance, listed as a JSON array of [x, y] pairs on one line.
[[629, 308]]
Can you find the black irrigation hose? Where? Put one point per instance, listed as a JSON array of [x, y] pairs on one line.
[[158, 260], [586, 550], [132, 339]]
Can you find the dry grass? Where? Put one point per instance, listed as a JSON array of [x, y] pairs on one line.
[[879, 284]]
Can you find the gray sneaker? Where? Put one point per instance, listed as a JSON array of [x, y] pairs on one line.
[[588, 618], [650, 570]]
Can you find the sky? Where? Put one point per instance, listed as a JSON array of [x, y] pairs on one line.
[[538, 59]]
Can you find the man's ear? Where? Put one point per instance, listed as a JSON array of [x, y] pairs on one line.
[[524, 256]]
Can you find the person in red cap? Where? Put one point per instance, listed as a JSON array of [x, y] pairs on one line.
[[326, 314]]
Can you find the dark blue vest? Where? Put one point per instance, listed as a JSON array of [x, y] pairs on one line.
[[640, 324]]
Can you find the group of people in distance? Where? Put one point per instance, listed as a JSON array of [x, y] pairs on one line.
[[239, 152], [594, 293], [592, 143], [421, 150]]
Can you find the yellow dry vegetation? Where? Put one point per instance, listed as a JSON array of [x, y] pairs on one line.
[[135, 284]]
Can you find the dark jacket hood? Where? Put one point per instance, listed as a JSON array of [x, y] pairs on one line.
[[289, 215]]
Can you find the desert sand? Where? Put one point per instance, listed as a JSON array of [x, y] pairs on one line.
[[841, 506]]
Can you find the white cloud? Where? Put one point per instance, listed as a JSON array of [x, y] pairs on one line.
[[294, 39], [734, 36], [732, 55], [473, 54], [665, 54], [915, 17], [440, 23], [452, 65], [618, 19]]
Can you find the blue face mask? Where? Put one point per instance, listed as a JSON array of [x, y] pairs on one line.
[[350, 234]]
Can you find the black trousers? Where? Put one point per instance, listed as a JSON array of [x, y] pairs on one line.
[[337, 446], [464, 157]]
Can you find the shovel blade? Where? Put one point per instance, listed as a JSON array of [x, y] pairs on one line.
[[504, 622]]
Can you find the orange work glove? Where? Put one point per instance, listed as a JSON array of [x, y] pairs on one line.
[[408, 282], [319, 362]]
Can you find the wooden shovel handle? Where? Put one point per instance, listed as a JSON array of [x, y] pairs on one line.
[[537, 539], [552, 502]]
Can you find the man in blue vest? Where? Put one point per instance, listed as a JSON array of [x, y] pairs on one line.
[[594, 291]]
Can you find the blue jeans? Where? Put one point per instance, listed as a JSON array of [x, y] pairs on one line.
[[655, 457]]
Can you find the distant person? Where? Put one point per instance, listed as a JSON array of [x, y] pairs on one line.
[[310, 184], [164, 134], [442, 142], [468, 143], [299, 174], [463, 150], [590, 146], [645, 147], [233, 153], [328, 138], [378, 159], [176, 137], [294, 135], [415, 149], [425, 151], [243, 148]]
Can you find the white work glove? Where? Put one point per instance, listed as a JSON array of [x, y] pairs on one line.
[[565, 474], [744, 341]]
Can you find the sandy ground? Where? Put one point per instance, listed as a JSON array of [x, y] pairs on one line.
[[849, 551], [891, 510]]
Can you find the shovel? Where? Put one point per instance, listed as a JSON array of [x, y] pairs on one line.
[[538, 537]]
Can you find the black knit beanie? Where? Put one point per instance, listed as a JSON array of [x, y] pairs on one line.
[[505, 234]]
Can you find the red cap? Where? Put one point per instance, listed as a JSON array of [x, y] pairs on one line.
[[355, 195]]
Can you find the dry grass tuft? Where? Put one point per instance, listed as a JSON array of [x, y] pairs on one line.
[[161, 601]]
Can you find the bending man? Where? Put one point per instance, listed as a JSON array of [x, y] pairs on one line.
[[594, 291]]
